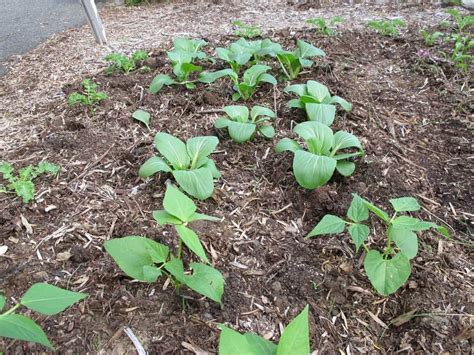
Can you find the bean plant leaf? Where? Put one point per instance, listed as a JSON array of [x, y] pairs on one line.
[[412, 224], [358, 211], [232, 342], [198, 183], [173, 149], [203, 217], [359, 234], [323, 113], [16, 326], [377, 211], [142, 116], [162, 217], [152, 166], [159, 81], [295, 337], [329, 224], [386, 275], [48, 299], [405, 240], [191, 240], [405, 204], [178, 204], [312, 171]]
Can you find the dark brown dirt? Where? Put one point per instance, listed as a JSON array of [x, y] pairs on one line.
[[414, 123]]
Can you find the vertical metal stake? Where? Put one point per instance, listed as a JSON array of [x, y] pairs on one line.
[[94, 21]]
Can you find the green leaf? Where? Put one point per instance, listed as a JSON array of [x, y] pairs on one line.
[[159, 81], [358, 211], [206, 280], [210, 77], [176, 269], [412, 224], [387, 275], [252, 74], [133, 253], [330, 224], [2, 302], [201, 147], [173, 149], [178, 204], [153, 165], [151, 273], [405, 240], [237, 113], [405, 204], [261, 111], [6, 169], [344, 104], [162, 217], [295, 337], [344, 140], [359, 234], [320, 134], [211, 165], [317, 90], [24, 189], [307, 50], [377, 211], [267, 131], [16, 326], [203, 217], [198, 183], [222, 123], [321, 113], [267, 78], [49, 299], [142, 116], [298, 89], [232, 343], [345, 168], [312, 171], [191, 240], [287, 144], [46, 167], [241, 132]]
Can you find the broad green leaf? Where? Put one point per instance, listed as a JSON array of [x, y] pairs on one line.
[[153, 165], [295, 103], [320, 134], [358, 211], [306, 63], [178, 204], [198, 183], [344, 140], [321, 113], [210, 77], [49, 299], [387, 275], [261, 111], [173, 149], [295, 337], [232, 343], [359, 234], [377, 211], [312, 171], [206, 280], [405, 204], [159, 81], [267, 131], [252, 74], [329, 224], [237, 113], [307, 50], [287, 144], [345, 168], [339, 100], [142, 116], [201, 147], [298, 89], [162, 217], [203, 217], [221, 123], [2, 301], [211, 166], [175, 267], [267, 78], [241, 132], [191, 240], [133, 253], [16, 326], [24, 189], [405, 240], [151, 273], [317, 90], [412, 224]]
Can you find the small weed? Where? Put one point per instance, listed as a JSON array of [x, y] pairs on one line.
[[325, 27], [246, 31], [388, 28], [90, 95], [123, 63]]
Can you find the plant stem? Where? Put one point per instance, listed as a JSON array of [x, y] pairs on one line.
[[180, 247], [11, 310]]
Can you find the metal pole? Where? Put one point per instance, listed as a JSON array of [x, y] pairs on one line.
[[94, 21]]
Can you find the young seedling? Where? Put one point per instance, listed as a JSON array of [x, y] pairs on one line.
[[192, 46], [189, 163], [430, 38], [315, 98], [143, 117], [325, 27], [463, 51], [42, 298], [294, 340], [461, 22], [314, 166], [390, 269], [247, 31], [90, 95], [146, 260], [292, 62], [121, 62], [22, 184], [388, 28], [241, 128]]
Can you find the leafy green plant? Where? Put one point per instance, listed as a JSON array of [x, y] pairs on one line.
[[241, 128], [244, 30], [42, 298], [90, 95], [463, 51], [325, 27], [388, 28], [314, 166], [292, 62], [146, 260], [461, 22], [390, 269], [430, 38], [22, 184], [294, 340], [192, 46], [316, 100], [121, 62], [188, 163], [143, 117]]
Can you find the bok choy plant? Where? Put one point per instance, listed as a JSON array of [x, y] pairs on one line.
[[315, 98], [314, 166], [292, 62], [189, 163], [390, 269], [241, 128], [146, 260]]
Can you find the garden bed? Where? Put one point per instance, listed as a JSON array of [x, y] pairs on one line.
[[413, 121]]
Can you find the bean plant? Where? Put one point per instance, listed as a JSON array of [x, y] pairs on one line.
[[22, 183], [388, 28], [314, 164], [241, 128], [316, 100], [189, 163], [42, 298], [292, 62], [390, 269], [89, 96], [120, 62], [325, 27], [146, 260], [293, 340]]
